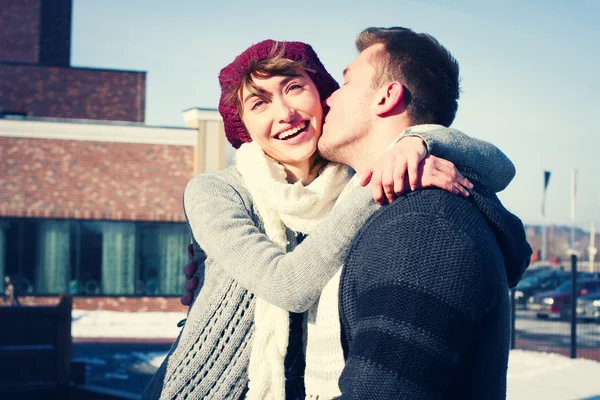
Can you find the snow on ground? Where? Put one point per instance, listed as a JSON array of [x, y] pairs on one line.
[[535, 375], [531, 375], [116, 324], [156, 359]]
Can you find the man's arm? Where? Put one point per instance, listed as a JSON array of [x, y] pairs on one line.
[[411, 293]]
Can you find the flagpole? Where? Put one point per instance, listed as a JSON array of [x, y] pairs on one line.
[[544, 241], [544, 255], [573, 192], [592, 248]]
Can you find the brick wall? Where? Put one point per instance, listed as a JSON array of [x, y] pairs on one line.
[[36, 31], [20, 27], [64, 92], [128, 304], [93, 180]]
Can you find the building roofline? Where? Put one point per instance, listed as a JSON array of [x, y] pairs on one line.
[[14, 63], [93, 122], [96, 132], [201, 114], [201, 109]]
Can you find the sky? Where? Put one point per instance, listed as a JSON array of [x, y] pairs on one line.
[[528, 70]]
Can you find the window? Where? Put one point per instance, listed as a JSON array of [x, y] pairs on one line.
[[49, 257], [14, 115], [163, 254]]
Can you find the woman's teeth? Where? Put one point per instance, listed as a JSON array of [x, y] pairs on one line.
[[291, 132]]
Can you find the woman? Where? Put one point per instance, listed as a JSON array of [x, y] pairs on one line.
[[237, 340]]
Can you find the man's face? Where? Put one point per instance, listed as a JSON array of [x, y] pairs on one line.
[[350, 115]]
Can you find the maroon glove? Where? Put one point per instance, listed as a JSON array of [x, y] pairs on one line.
[[191, 282]]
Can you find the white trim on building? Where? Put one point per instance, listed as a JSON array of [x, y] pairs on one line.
[[201, 114], [97, 132]]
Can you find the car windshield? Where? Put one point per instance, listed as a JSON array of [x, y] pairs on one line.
[[526, 283], [536, 279], [580, 285], [529, 273], [567, 287]]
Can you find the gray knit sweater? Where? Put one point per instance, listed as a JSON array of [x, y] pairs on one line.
[[209, 359]]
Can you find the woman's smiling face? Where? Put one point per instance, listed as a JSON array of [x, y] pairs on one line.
[[283, 115]]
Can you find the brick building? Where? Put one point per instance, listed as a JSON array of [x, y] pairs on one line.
[[90, 196], [36, 78]]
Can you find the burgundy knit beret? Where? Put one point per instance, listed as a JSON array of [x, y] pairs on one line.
[[231, 75]]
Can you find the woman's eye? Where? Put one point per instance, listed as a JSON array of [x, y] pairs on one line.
[[294, 86], [257, 104]]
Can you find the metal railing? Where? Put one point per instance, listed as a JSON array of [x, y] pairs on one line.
[[562, 318]]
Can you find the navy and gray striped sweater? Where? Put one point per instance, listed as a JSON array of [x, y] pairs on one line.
[[424, 302]]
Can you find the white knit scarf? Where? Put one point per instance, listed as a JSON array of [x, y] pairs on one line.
[[300, 208]]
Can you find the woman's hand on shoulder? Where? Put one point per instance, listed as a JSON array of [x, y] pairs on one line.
[[406, 167]]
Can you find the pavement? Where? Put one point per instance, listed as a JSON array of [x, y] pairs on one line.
[[119, 365], [125, 363]]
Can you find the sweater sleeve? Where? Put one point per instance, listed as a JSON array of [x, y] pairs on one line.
[[224, 229], [411, 295], [487, 161]]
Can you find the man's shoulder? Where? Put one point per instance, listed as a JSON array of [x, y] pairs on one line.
[[422, 239], [428, 207], [423, 228]]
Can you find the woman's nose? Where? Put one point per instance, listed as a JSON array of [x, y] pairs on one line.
[[286, 112]]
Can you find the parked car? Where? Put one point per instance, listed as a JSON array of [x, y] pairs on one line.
[[588, 307], [530, 272], [542, 281], [557, 303]]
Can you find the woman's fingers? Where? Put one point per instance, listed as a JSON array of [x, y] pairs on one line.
[[388, 179], [189, 270], [187, 299], [365, 177], [449, 169], [438, 174], [394, 173], [412, 169], [191, 284], [400, 176], [376, 189]]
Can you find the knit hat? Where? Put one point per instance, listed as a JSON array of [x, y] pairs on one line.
[[231, 75]]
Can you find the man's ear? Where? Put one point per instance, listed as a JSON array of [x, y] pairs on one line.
[[389, 98]]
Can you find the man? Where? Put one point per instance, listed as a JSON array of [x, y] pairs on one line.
[[423, 294]]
